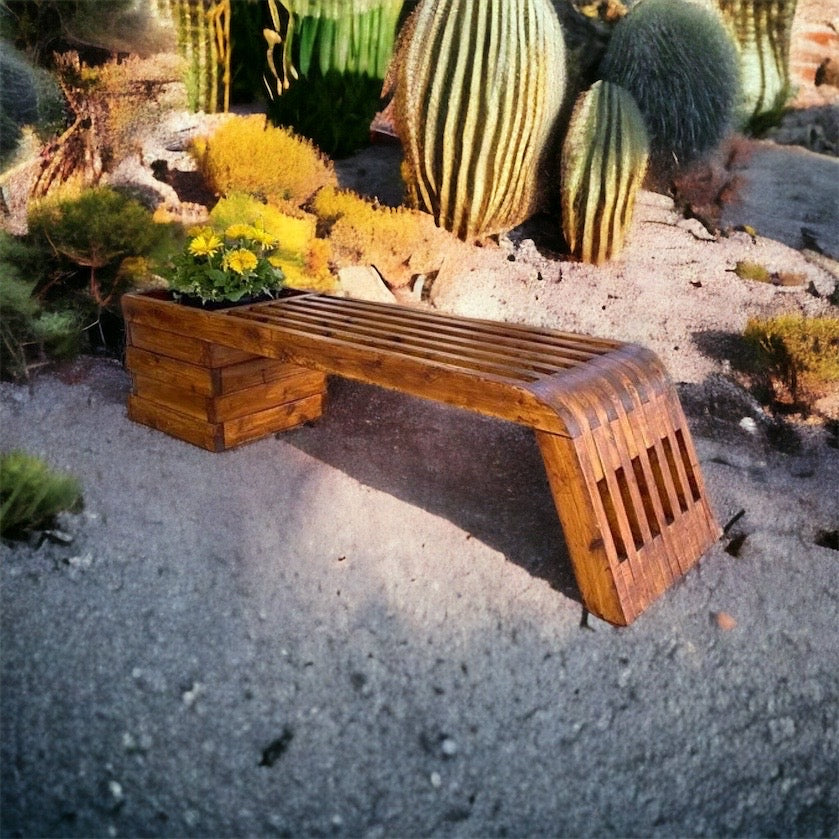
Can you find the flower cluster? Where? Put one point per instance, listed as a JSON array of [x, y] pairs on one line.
[[215, 267]]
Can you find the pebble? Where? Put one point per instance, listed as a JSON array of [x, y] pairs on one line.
[[725, 621], [748, 424], [436, 780], [448, 747]]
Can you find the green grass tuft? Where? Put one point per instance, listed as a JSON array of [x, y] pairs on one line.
[[32, 494]]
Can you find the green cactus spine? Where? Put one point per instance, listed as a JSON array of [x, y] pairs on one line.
[[203, 37], [604, 158], [478, 88], [679, 63], [347, 36], [762, 30]]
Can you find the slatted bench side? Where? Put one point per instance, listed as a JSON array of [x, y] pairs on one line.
[[628, 486]]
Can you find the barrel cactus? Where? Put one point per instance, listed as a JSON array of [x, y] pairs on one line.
[[347, 36], [762, 30], [478, 87], [680, 64], [604, 158]]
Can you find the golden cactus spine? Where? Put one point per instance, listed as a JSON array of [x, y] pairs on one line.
[[478, 86], [604, 158], [203, 37], [762, 30]]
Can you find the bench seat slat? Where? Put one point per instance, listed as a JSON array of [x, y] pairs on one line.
[[515, 353]]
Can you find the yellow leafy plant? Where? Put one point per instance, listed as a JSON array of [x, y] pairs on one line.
[[400, 242], [800, 355], [247, 154], [303, 258]]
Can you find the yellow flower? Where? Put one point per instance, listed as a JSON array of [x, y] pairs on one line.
[[240, 231], [240, 260], [263, 237], [205, 244]]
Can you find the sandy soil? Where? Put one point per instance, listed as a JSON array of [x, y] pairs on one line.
[[369, 627]]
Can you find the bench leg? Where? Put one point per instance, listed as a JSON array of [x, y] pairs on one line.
[[633, 508]]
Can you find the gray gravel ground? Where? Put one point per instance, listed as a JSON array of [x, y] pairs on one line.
[[368, 627]]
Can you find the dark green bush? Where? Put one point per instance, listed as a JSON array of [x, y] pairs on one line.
[[96, 231], [32, 494], [29, 333]]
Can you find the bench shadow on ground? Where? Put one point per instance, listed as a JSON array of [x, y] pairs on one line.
[[486, 476]]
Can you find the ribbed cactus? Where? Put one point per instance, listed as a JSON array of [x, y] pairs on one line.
[[203, 37], [478, 88], [762, 30], [604, 158], [679, 63], [348, 36]]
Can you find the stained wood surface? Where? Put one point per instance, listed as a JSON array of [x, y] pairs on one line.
[[617, 449]]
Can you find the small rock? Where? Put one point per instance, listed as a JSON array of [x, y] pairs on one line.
[[436, 780], [724, 621], [748, 424], [448, 747], [365, 283], [80, 561], [115, 788], [190, 697]]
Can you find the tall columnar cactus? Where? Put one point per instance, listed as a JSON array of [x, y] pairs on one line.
[[762, 30], [604, 158], [679, 63], [478, 85], [203, 38], [348, 36]]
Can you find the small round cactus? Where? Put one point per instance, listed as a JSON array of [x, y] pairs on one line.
[[604, 158], [478, 87], [680, 64]]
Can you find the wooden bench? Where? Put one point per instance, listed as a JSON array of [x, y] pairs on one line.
[[619, 456]]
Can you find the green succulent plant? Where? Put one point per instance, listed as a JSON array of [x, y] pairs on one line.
[[478, 87], [680, 64], [762, 30], [604, 158], [32, 494]]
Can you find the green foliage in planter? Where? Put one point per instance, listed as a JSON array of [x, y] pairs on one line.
[[678, 61], [96, 229], [762, 30], [28, 331], [230, 266], [32, 494], [478, 89], [802, 353], [604, 158]]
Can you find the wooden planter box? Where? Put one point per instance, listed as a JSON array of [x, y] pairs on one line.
[[204, 393]]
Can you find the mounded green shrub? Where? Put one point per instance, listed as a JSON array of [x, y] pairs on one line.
[[28, 331], [680, 64], [604, 158], [32, 494], [95, 230], [478, 87], [802, 353]]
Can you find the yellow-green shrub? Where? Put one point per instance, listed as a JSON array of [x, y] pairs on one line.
[[801, 353], [246, 154], [400, 242]]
